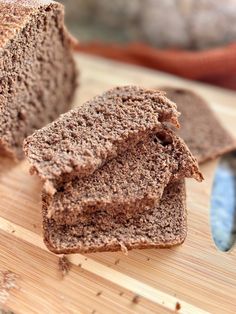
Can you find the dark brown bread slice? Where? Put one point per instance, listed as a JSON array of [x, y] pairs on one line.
[[132, 182], [83, 139], [200, 128], [37, 70], [163, 227]]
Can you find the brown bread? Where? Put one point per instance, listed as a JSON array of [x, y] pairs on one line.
[[164, 226], [132, 182], [85, 138], [38, 74], [200, 128]]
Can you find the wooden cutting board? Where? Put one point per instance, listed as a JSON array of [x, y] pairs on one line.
[[192, 278]]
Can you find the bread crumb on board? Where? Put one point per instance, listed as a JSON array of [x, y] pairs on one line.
[[98, 293], [136, 299], [64, 265], [177, 306]]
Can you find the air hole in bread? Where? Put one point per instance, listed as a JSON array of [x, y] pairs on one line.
[[163, 139]]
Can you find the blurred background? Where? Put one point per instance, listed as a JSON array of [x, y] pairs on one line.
[[191, 24], [195, 39]]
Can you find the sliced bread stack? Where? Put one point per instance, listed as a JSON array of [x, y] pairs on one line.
[[113, 174]]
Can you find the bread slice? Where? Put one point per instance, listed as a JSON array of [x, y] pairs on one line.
[[82, 140], [132, 182], [163, 227], [200, 128], [38, 73]]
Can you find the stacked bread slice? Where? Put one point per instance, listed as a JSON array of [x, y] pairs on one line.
[[113, 174], [200, 127]]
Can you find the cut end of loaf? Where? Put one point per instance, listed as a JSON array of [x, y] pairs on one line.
[[36, 86]]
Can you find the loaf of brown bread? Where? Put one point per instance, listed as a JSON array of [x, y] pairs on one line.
[[200, 128], [82, 140], [132, 182], [162, 227], [38, 73]]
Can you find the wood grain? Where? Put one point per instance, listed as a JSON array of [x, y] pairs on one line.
[[196, 275]]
